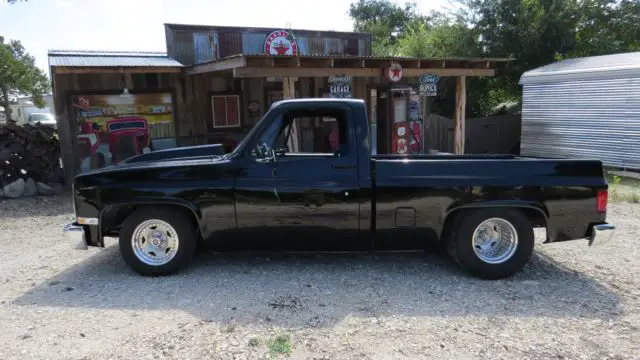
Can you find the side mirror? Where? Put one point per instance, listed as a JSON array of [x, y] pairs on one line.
[[269, 158], [281, 151]]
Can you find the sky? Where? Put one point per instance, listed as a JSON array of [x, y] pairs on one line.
[[137, 25]]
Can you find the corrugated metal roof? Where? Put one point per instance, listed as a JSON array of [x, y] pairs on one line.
[[243, 29], [351, 57], [72, 58], [370, 57], [586, 68]]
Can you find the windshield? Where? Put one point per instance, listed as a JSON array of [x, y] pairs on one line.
[[242, 145], [40, 117]]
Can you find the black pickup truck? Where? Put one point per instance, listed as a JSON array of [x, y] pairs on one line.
[[481, 208]]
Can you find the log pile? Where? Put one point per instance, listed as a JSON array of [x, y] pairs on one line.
[[29, 161]]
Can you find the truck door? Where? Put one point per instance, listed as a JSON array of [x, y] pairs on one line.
[[310, 190]]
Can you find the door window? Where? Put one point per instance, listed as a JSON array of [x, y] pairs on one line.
[[313, 135]]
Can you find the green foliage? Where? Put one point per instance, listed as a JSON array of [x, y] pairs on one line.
[[533, 32], [20, 75], [281, 344], [386, 21], [614, 187], [253, 342], [444, 38]]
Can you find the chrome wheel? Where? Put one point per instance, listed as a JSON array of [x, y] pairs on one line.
[[495, 240], [155, 242]]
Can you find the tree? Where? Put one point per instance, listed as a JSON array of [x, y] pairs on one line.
[[533, 32], [19, 75], [386, 21], [607, 26], [444, 37]]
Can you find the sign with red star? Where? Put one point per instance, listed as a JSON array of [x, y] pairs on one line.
[[394, 72], [280, 42]]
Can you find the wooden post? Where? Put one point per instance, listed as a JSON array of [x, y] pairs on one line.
[[289, 87], [289, 92], [461, 103]]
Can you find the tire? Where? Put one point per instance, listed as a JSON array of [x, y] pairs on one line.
[[139, 253], [476, 259]]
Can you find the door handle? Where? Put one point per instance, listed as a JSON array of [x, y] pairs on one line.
[[342, 166]]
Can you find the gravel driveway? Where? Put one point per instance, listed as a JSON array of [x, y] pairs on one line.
[[571, 302]]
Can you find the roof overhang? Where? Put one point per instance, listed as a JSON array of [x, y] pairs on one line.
[[249, 66], [594, 68], [111, 62], [113, 69]]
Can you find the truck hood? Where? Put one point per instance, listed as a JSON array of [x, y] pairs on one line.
[[178, 153], [95, 177]]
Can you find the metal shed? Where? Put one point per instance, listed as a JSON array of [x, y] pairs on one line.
[[586, 108]]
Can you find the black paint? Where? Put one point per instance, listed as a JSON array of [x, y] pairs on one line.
[[353, 200]]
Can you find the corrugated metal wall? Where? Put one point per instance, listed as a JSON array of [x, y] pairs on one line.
[[190, 46], [595, 119], [182, 48], [206, 46]]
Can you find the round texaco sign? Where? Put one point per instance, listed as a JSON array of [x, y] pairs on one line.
[[279, 43], [394, 72]]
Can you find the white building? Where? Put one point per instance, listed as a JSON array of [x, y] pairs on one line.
[[585, 108]]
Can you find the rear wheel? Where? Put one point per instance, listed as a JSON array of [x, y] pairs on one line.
[[158, 241], [492, 243]]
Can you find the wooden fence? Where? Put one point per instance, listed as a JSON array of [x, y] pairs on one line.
[[483, 135], [162, 130]]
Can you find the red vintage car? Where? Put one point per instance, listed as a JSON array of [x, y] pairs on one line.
[[128, 136], [88, 155]]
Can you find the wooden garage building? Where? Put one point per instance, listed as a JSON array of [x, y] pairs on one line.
[[214, 83]]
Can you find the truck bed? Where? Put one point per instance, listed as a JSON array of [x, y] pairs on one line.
[[424, 193]]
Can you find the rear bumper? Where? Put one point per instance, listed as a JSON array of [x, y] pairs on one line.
[[75, 236], [602, 234]]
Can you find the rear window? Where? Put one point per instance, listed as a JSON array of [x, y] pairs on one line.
[[126, 125]]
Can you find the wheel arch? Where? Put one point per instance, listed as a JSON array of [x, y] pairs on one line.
[[113, 215], [535, 212]]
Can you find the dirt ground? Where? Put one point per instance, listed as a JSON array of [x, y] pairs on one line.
[[570, 302]]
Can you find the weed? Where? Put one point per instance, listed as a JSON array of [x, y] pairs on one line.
[[229, 329], [253, 342], [614, 187], [281, 344], [635, 197]]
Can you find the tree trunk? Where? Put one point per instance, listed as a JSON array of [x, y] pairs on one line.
[[4, 102]]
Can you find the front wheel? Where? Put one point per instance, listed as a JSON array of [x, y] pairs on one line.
[[158, 241], [492, 243]]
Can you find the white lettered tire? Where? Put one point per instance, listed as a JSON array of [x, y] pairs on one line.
[[158, 241], [492, 243]]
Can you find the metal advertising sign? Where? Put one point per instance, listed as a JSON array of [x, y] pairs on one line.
[[280, 42], [429, 85], [394, 72], [340, 86]]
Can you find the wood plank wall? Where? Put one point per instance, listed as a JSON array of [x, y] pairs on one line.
[[192, 102], [66, 85]]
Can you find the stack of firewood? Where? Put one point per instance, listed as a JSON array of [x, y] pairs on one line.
[[29, 161]]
